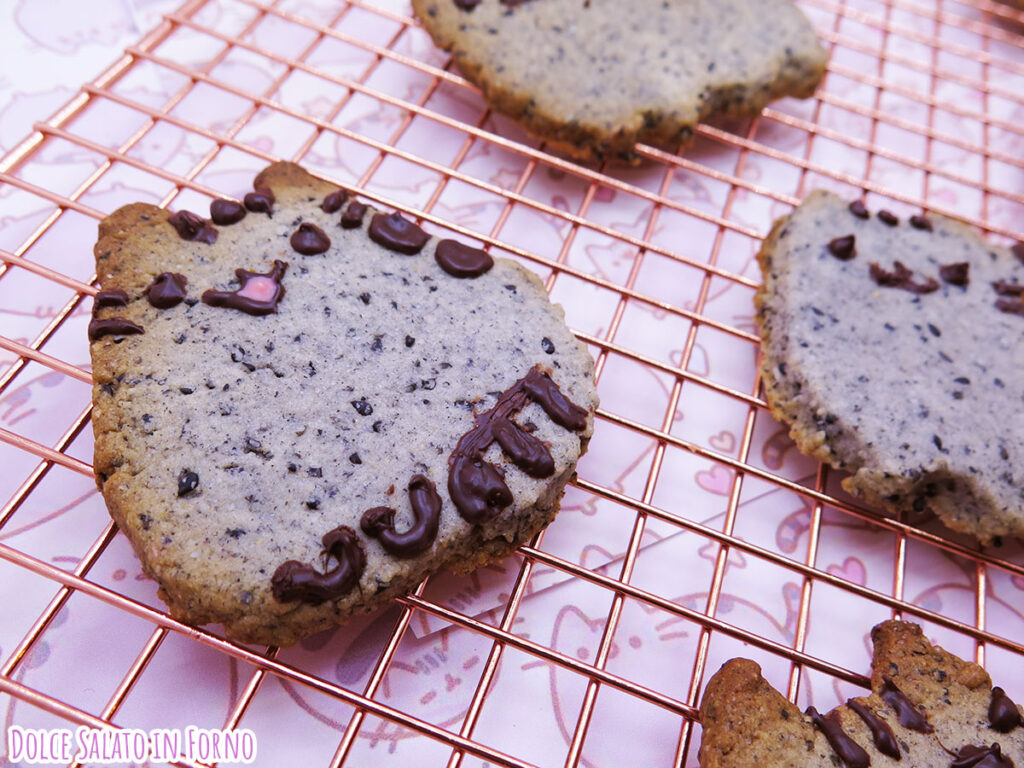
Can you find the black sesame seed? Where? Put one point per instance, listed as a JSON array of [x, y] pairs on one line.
[[547, 346], [409, 341], [364, 297], [362, 407], [354, 458], [315, 472]]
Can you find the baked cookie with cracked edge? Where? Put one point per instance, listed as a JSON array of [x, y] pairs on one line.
[[280, 391], [893, 349], [927, 708], [593, 78]]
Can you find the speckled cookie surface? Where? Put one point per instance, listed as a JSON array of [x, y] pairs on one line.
[[233, 441], [594, 77], [893, 349], [927, 708]]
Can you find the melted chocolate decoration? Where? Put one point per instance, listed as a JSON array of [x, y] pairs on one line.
[[887, 217], [167, 290], [858, 209], [478, 487], [260, 201], [850, 751], [225, 212], [191, 226], [526, 451], [333, 202], [258, 295], [300, 581], [309, 239], [1006, 288], [112, 326], [1010, 307], [900, 277], [353, 215], [906, 711], [981, 757], [881, 733], [397, 233], [460, 260], [843, 248], [921, 222], [1002, 712], [379, 522], [466, 5], [956, 274], [115, 297]]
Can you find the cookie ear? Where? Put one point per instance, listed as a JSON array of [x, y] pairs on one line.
[[924, 672], [290, 182], [746, 722]]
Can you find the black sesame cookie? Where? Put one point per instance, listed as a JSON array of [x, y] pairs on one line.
[[927, 708], [894, 348], [303, 406], [593, 77]]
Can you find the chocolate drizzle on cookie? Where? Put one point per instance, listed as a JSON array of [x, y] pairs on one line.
[[300, 581], [921, 222], [1010, 307], [191, 226], [906, 711], [260, 201], [115, 297], [379, 522], [167, 290], [981, 757], [956, 274], [888, 218], [259, 293], [352, 217], [477, 487], [858, 209], [1005, 288], [309, 239], [881, 733], [851, 752], [112, 326], [901, 277], [397, 233], [1003, 714], [332, 202], [843, 248], [460, 260], [224, 212]]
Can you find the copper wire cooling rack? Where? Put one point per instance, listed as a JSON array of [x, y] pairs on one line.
[[692, 533]]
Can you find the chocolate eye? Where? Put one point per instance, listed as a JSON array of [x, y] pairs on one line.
[[188, 481]]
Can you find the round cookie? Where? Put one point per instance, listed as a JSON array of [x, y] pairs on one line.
[[593, 77], [303, 406], [893, 348]]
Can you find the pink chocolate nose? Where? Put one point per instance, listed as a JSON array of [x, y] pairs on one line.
[[259, 288]]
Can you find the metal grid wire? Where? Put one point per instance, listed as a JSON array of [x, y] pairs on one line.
[[903, 52]]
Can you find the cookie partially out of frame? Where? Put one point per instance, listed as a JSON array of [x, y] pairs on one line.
[[928, 708], [894, 349], [594, 77], [303, 406]]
